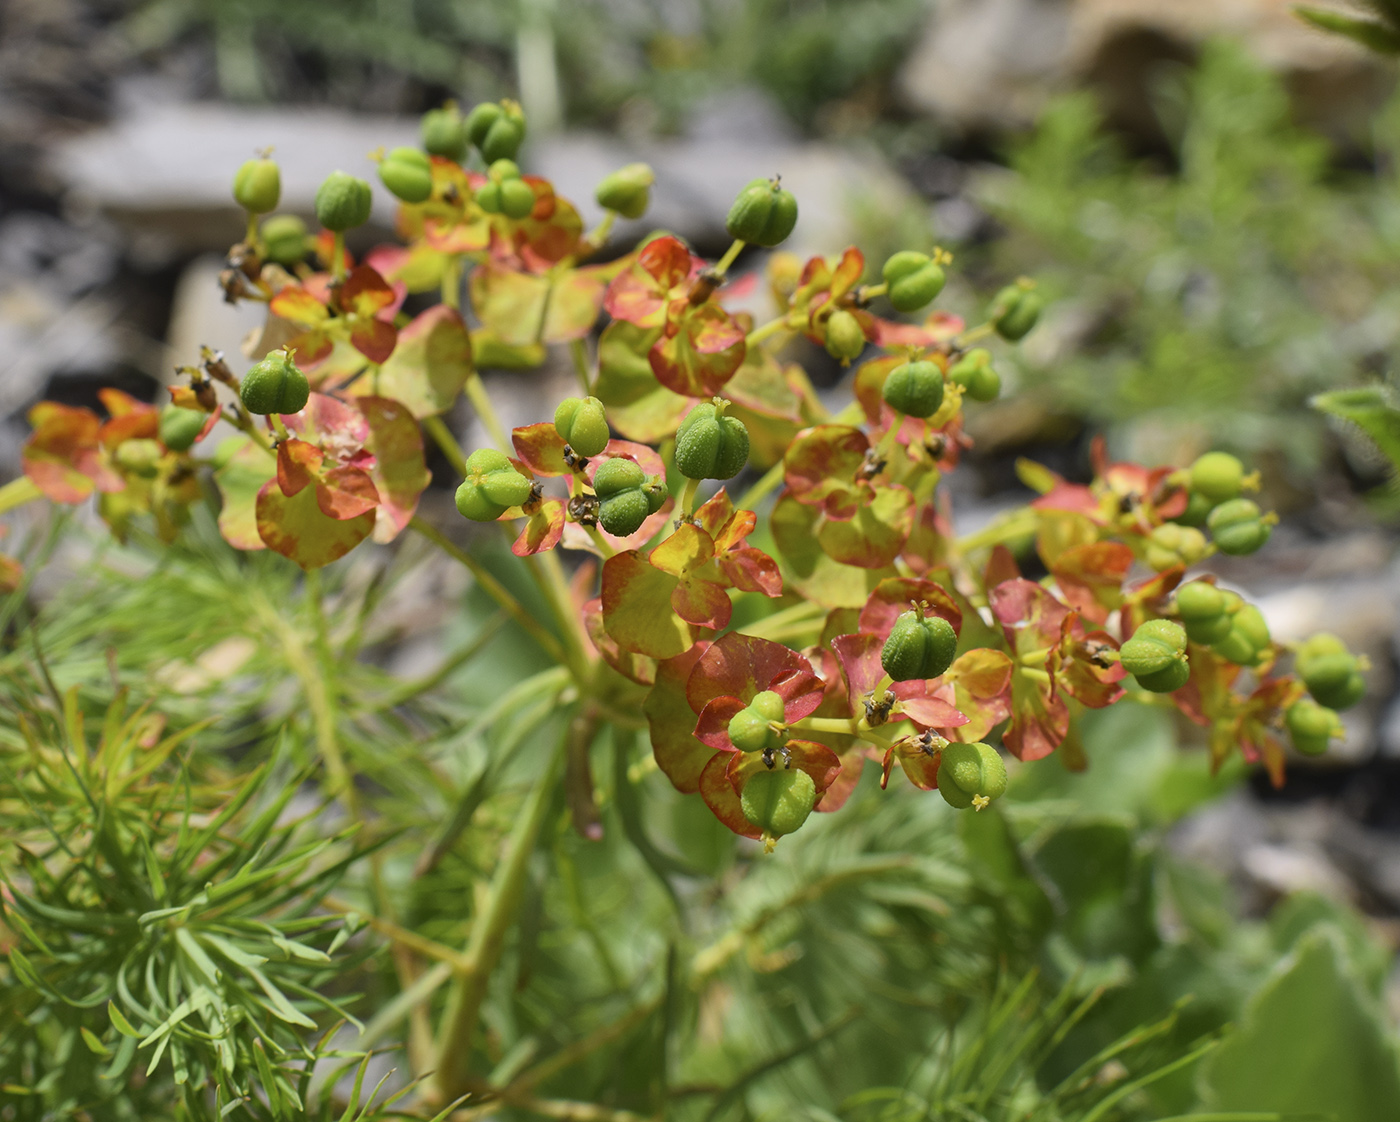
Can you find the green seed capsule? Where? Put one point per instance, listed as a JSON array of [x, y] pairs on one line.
[[583, 425], [914, 389], [919, 647], [711, 445], [627, 190], [274, 385], [750, 732], [914, 279], [1198, 509], [763, 214], [768, 704], [656, 494], [1218, 476], [408, 174], [974, 373], [778, 801], [971, 774], [517, 199], [623, 514], [480, 120], [1344, 696], [1248, 639], [1311, 726], [179, 427], [343, 202], [488, 197], [443, 134], [257, 186], [1156, 656], [503, 139], [140, 457], [284, 239], [492, 486], [1171, 544], [1015, 310], [1203, 611], [1237, 527], [845, 338], [617, 475]]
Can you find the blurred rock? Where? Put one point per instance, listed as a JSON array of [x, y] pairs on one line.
[[993, 64]]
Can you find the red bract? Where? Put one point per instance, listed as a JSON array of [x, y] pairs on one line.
[[68, 454], [360, 310]]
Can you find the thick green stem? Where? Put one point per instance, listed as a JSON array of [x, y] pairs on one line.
[[770, 481], [579, 354], [338, 257], [437, 428], [687, 500], [17, 492], [1017, 525], [481, 402], [488, 935], [772, 327], [730, 256]]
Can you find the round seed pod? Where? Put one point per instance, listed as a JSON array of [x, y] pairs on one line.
[[1248, 639], [763, 214], [257, 186], [778, 801], [1156, 656], [1311, 726], [1344, 696], [968, 772], [617, 475], [179, 427], [1171, 544], [627, 190], [975, 374], [1198, 509], [918, 647], [517, 199], [343, 202], [488, 197], [914, 280], [623, 513], [1237, 527], [443, 134], [583, 424], [1324, 663], [492, 486], [138, 456], [751, 731], [503, 139], [769, 705], [1202, 608], [656, 494], [284, 239], [914, 389], [1015, 310], [1171, 677], [274, 385], [711, 445], [845, 338], [408, 174], [479, 121], [1218, 476]]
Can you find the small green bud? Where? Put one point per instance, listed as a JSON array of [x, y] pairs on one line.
[[517, 199], [502, 170], [1172, 544], [274, 385], [492, 486], [583, 425], [751, 729], [1198, 509], [1015, 310], [1311, 726], [624, 513], [656, 494], [919, 647], [1237, 527], [1156, 656], [408, 174], [1203, 611], [627, 190], [778, 801], [480, 120], [845, 338], [914, 280], [914, 389], [769, 705], [442, 132], [140, 457], [343, 202], [179, 427], [284, 239], [711, 445], [975, 374], [971, 775], [616, 475], [1218, 476], [257, 186], [763, 214], [1248, 639], [1330, 671], [503, 139], [488, 197]]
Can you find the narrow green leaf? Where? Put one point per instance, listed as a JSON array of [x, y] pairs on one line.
[[119, 1021], [95, 1046], [1369, 33], [1369, 409]]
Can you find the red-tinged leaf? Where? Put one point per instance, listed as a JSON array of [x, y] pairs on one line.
[[522, 308], [343, 493], [428, 367], [703, 353], [1030, 616], [310, 349], [919, 764], [297, 465], [542, 531], [551, 232], [634, 667], [924, 707], [62, 457], [640, 293], [742, 666], [820, 468], [453, 234], [672, 721], [1091, 577], [1074, 498], [817, 760], [541, 449], [639, 407], [1001, 567], [296, 528], [892, 598], [1039, 723], [978, 685], [296, 305], [859, 655], [720, 795], [648, 459], [727, 526], [415, 268], [130, 419], [1060, 531], [928, 544], [701, 602], [365, 293], [637, 609], [712, 727], [399, 473], [1073, 667], [338, 428], [575, 299], [374, 339], [686, 550], [843, 786], [239, 480], [808, 570], [937, 329], [761, 384], [877, 533], [751, 570], [11, 574]]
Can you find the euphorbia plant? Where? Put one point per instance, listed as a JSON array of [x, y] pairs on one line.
[[869, 631]]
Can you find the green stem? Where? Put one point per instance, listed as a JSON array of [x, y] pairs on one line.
[[452, 283], [772, 327], [489, 928], [972, 334], [770, 481], [278, 427], [242, 420], [580, 357], [730, 255], [1017, 525], [481, 402], [493, 588], [338, 257], [250, 235], [804, 614], [17, 492], [687, 500], [437, 428]]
